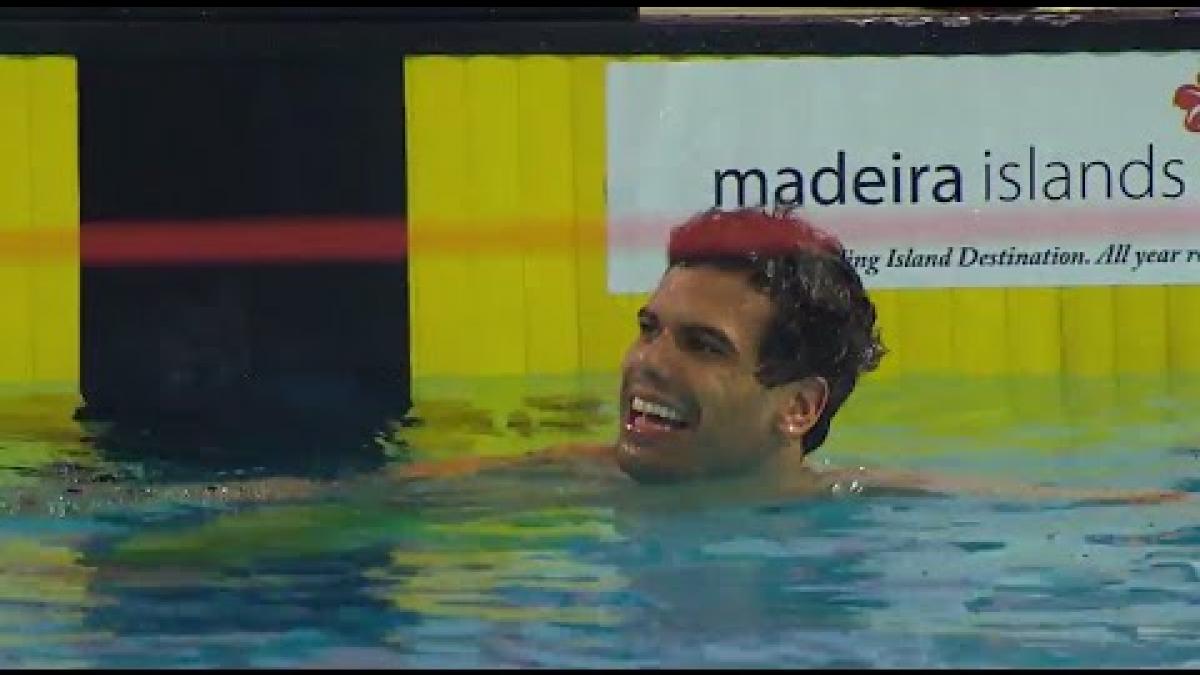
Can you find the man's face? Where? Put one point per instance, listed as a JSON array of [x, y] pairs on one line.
[[691, 405]]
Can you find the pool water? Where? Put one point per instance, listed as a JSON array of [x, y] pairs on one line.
[[111, 560]]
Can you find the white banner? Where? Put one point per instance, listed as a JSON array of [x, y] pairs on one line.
[[959, 171]]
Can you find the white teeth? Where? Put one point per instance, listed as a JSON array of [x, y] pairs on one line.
[[643, 406]]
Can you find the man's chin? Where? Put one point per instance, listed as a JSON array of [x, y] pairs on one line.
[[646, 466]]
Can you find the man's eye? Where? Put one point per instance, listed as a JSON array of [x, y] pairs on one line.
[[705, 346]]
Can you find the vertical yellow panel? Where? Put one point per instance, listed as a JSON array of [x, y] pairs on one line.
[[1183, 329], [16, 339], [497, 273], [887, 320], [1034, 329], [417, 95], [1087, 331], [547, 179], [978, 331], [1140, 329], [55, 218], [435, 132], [926, 317]]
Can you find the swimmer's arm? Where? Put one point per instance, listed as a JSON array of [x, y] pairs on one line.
[[465, 466], [912, 481]]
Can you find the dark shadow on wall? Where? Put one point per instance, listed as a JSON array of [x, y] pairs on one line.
[[206, 358]]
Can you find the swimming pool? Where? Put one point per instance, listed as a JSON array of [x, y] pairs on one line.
[[101, 564]]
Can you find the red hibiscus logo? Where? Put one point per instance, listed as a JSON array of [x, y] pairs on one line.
[[1188, 98]]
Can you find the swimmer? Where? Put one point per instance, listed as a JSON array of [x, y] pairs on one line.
[[755, 337]]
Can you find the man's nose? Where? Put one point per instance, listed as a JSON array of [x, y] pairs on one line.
[[653, 357]]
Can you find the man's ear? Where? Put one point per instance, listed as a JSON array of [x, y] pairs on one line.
[[804, 401]]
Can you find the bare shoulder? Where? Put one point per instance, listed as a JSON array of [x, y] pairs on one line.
[[580, 450], [931, 483], [467, 465]]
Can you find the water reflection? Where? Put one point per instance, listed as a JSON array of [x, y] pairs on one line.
[[507, 569]]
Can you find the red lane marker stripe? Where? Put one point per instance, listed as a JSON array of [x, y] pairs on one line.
[[284, 240], [275, 240]]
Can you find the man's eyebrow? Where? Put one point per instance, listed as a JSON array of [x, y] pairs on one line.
[[712, 333]]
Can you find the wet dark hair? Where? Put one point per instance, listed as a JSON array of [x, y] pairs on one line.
[[822, 324]]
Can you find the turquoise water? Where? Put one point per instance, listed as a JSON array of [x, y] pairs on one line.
[[111, 560]]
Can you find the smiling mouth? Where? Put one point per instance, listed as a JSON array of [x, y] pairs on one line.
[[653, 418]]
